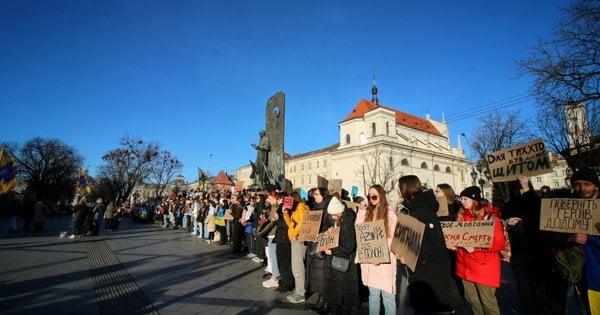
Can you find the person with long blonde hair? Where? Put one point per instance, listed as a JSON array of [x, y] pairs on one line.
[[380, 278]]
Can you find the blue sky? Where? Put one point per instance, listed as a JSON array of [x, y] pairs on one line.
[[195, 75]]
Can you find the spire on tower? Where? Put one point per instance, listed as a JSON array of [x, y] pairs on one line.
[[374, 91]]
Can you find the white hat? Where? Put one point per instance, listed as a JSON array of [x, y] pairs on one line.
[[335, 206]]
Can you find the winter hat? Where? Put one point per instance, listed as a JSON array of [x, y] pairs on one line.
[[472, 192], [586, 174], [335, 206]]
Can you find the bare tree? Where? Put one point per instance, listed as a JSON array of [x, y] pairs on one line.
[[566, 67], [49, 167], [127, 166], [162, 170], [379, 168], [498, 131]]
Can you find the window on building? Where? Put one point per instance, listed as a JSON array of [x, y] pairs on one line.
[[424, 165], [538, 179], [391, 163], [436, 168], [347, 139], [448, 169], [404, 162], [302, 168], [294, 168], [302, 180], [317, 164], [310, 165], [387, 128], [373, 130]]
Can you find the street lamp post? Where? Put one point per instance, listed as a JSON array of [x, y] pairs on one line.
[[474, 176], [480, 168]]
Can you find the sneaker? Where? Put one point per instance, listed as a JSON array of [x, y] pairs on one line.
[[199, 236], [193, 233], [257, 260], [271, 283], [251, 255], [295, 298], [72, 236]]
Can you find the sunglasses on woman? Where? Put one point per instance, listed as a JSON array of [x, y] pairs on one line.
[[373, 197]]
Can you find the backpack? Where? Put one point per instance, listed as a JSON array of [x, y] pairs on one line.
[[505, 253]]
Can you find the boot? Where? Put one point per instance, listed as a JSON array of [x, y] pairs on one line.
[[319, 305]]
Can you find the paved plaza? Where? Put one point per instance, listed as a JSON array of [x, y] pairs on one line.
[[140, 268]]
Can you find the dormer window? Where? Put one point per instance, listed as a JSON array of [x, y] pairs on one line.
[[387, 128], [373, 130], [347, 139]]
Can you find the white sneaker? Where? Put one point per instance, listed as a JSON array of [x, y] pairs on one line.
[[251, 255], [72, 236], [271, 283], [199, 236], [257, 260], [193, 233]]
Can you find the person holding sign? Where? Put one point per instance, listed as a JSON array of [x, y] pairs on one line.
[[480, 268], [380, 278], [528, 258], [341, 286], [293, 218], [431, 287]]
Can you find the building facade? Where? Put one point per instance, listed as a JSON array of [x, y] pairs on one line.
[[377, 145]]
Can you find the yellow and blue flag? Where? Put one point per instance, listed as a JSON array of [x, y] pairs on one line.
[[83, 183], [8, 172], [592, 257]]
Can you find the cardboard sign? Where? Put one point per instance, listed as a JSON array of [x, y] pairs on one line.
[[443, 209], [328, 239], [354, 191], [228, 215], [468, 233], [408, 236], [566, 215], [371, 243], [527, 159], [335, 186], [322, 182], [288, 203], [239, 186], [310, 226]]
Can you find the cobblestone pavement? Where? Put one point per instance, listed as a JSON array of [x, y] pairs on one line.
[[140, 268]]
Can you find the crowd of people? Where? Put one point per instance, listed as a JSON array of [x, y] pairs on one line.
[[458, 280]]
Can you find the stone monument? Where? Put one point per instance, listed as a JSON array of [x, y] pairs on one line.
[[268, 170]]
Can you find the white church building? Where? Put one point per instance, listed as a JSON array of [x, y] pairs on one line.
[[378, 144]]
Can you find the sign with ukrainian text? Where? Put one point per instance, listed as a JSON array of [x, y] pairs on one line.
[[566, 215], [371, 243], [311, 224], [478, 234], [407, 240], [328, 239], [527, 159]]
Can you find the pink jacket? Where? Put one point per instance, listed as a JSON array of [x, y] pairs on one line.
[[382, 277]]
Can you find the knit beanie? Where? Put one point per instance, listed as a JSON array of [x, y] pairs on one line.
[[335, 206], [472, 192], [586, 174]]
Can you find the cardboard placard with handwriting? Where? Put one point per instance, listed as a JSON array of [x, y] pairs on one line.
[[288, 203], [478, 234], [408, 236], [566, 215], [443, 209], [328, 239], [310, 226], [527, 159], [371, 243]]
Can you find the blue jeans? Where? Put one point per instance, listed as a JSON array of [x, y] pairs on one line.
[[389, 302], [186, 220], [273, 256], [197, 227], [165, 219]]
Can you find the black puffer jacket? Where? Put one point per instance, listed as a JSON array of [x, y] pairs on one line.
[[431, 286]]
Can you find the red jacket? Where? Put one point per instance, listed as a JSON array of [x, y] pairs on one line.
[[482, 266]]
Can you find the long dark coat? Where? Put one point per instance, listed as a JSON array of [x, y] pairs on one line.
[[315, 268], [431, 287], [341, 288]]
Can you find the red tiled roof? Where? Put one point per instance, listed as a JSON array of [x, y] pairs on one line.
[[402, 118], [222, 179]]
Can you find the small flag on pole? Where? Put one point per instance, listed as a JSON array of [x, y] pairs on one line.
[[8, 172], [84, 185]]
